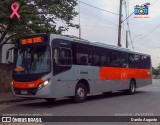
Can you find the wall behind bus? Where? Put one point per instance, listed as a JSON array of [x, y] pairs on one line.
[[5, 77], [4, 51]]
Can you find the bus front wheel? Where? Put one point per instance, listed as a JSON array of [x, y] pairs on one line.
[[80, 93]]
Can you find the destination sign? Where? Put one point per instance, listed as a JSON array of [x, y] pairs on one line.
[[33, 40]]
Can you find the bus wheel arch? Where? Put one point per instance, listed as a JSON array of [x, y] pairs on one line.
[[81, 91]]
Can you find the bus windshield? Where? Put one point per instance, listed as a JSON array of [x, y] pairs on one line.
[[31, 60]]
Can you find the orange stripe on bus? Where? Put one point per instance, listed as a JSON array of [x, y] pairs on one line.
[[27, 85], [113, 73]]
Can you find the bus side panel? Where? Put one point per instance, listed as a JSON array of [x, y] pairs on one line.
[[124, 84], [108, 85], [143, 82], [113, 78], [65, 82], [114, 85], [86, 73], [63, 85], [98, 85], [120, 77]]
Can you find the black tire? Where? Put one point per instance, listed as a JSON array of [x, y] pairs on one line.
[[50, 100], [80, 93], [132, 87]]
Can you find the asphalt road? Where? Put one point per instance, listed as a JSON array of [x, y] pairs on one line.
[[145, 101]]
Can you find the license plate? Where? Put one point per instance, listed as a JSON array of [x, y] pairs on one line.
[[24, 92]]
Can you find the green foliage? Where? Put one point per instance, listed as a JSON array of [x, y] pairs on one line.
[[36, 16], [156, 71]]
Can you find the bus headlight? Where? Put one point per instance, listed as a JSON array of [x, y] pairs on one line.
[[45, 83]]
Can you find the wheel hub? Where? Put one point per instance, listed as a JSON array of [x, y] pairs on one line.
[[132, 88], [80, 92]]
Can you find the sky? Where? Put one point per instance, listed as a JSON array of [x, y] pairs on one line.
[[100, 26]]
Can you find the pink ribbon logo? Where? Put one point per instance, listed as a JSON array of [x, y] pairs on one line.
[[15, 10]]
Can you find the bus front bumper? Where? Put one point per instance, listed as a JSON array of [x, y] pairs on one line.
[[45, 92]]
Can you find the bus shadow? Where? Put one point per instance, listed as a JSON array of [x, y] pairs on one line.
[[41, 103], [111, 95], [69, 101]]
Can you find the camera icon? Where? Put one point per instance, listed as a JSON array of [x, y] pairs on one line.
[[141, 10]]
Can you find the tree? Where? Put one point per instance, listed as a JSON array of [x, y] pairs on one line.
[[156, 72], [36, 16]]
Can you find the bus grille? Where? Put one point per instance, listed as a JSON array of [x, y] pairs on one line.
[[25, 91]]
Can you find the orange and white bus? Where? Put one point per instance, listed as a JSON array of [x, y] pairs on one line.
[[50, 66]]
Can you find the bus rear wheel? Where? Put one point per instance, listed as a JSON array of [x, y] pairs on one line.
[[80, 93], [132, 87]]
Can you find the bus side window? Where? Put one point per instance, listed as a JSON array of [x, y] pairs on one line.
[[103, 58], [65, 58], [97, 60], [114, 56], [83, 60], [62, 59], [145, 62], [96, 57], [90, 60], [56, 55], [148, 62], [108, 58], [123, 60], [83, 54], [132, 61], [107, 63]]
